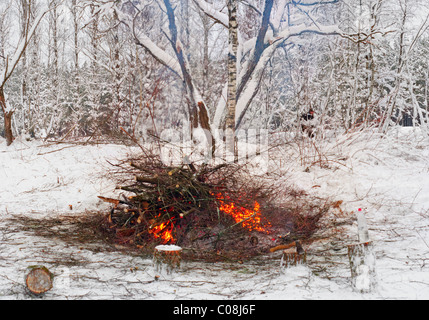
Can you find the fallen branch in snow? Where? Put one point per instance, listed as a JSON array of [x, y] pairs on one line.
[[52, 151]]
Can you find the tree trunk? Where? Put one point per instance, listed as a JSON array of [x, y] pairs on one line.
[[8, 128], [7, 114], [198, 114], [206, 86], [392, 103], [232, 80]]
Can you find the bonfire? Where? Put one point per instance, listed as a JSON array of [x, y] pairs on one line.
[[217, 211]]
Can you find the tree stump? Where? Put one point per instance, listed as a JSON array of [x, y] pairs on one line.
[[293, 255], [362, 258], [362, 266], [39, 280], [293, 258], [167, 257]]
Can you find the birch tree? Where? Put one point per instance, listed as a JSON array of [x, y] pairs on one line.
[[232, 79]]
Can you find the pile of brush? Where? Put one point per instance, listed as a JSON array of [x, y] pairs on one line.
[[218, 211], [198, 207]]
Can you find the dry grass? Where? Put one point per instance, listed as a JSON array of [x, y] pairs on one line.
[[84, 231]]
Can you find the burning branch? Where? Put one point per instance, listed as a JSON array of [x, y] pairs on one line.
[[250, 219]]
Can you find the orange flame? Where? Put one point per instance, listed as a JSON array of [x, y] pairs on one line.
[[250, 219], [161, 231]]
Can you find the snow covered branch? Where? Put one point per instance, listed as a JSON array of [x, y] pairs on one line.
[[252, 82], [11, 63], [145, 42], [312, 3], [213, 13]]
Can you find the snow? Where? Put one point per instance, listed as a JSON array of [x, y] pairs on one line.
[[23, 42], [45, 179], [166, 247], [388, 177], [212, 12], [160, 54]]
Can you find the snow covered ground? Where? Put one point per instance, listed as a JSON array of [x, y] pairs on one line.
[[388, 178]]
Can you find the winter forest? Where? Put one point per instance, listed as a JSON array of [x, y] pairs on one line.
[[214, 149], [85, 68]]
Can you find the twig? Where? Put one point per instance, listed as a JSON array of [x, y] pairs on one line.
[[57, 150], [422, 238]]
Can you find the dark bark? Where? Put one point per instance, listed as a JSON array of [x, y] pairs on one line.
[[260, 46], [7, 115]]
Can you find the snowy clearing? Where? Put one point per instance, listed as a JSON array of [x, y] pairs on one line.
[[388, 177]]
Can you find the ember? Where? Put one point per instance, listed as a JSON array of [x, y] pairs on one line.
[[249, 219], [163, 232]]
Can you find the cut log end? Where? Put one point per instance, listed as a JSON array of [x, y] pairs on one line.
[[39, 280], [167, 257]]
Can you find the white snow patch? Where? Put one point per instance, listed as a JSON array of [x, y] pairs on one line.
[[166, 247]]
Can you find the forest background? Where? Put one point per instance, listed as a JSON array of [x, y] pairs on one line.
[[72, 69]]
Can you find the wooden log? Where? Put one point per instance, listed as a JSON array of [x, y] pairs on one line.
[[167, 257], [362, 258], [362, 266], [283, 247], [39, 280], [139, 167], [363, 235], [109, 200], [143, 179]]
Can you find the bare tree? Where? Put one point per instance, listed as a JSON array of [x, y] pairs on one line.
[[10, 66]]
